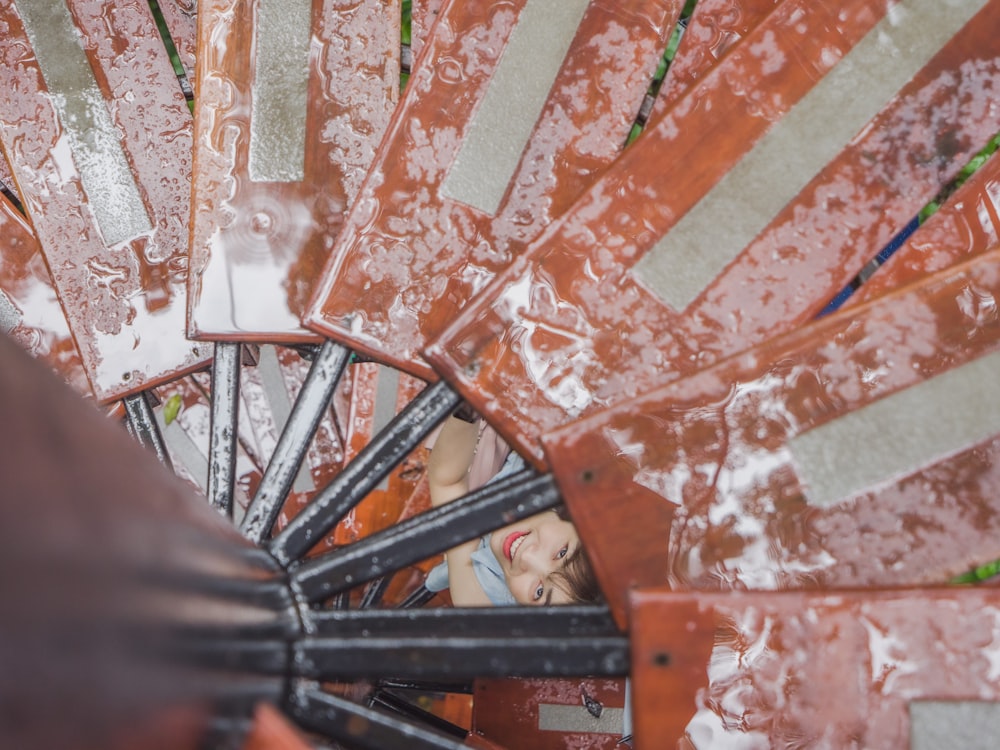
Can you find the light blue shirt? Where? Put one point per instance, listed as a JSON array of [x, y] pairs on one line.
[[484, 563]]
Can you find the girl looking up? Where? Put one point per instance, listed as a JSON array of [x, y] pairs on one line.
[[537, 561]]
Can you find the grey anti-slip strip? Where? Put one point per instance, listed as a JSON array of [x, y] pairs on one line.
[[899, 434], [514, 99], [711, 235], [279, 91], [94, 142]]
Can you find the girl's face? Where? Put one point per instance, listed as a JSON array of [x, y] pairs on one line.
[[530, 551]]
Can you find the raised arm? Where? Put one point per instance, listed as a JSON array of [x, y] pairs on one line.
[[448, 478]]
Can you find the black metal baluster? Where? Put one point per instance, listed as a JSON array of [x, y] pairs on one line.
[[360, 727], [374, 592], [310, 405], [142, 424], [488, 508], [224, 426], [391, 701], [463, 644], [386, 450], [571, 621]]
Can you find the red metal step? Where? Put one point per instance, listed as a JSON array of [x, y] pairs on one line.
[[532, 714], [498, 132], [29, 309], [719, 208], [714, 28], [272, 181], [98, 135], [181, 18], [912, 668], [861, 450], [968, 224]]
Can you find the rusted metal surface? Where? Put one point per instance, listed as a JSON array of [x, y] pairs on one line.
[[709, 483], [816, 669], [968, 224], [532, 714], [420, 242], [99, 137], [571, 328], [284, 138], [29, 308], [119, 568]]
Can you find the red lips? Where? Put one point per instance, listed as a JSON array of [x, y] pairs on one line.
[[509, 542]]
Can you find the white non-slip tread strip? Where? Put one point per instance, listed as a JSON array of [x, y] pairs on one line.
[[970, 725]]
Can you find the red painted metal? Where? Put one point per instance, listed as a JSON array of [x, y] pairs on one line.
[[968, 224], [702, 491], [797, 669], [410, 257], [568, 329], [6, 177], [714, 28], [258, 247], [507, 712], [423, 14], [125, 304], [25, 282], [181, 17]]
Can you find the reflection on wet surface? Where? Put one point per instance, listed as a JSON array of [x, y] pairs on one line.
[[29, 309], [595, 327], [709, 481], [683, 263], [124, 301], [810, 669], [968, 224], [79, 104], [274, 182], [713, 29], [410, 257]]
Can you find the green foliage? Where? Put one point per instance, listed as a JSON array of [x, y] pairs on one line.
[[406, 36], [963, 174], [406, 22], [981, 573], [172, 408], [168, 41]]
